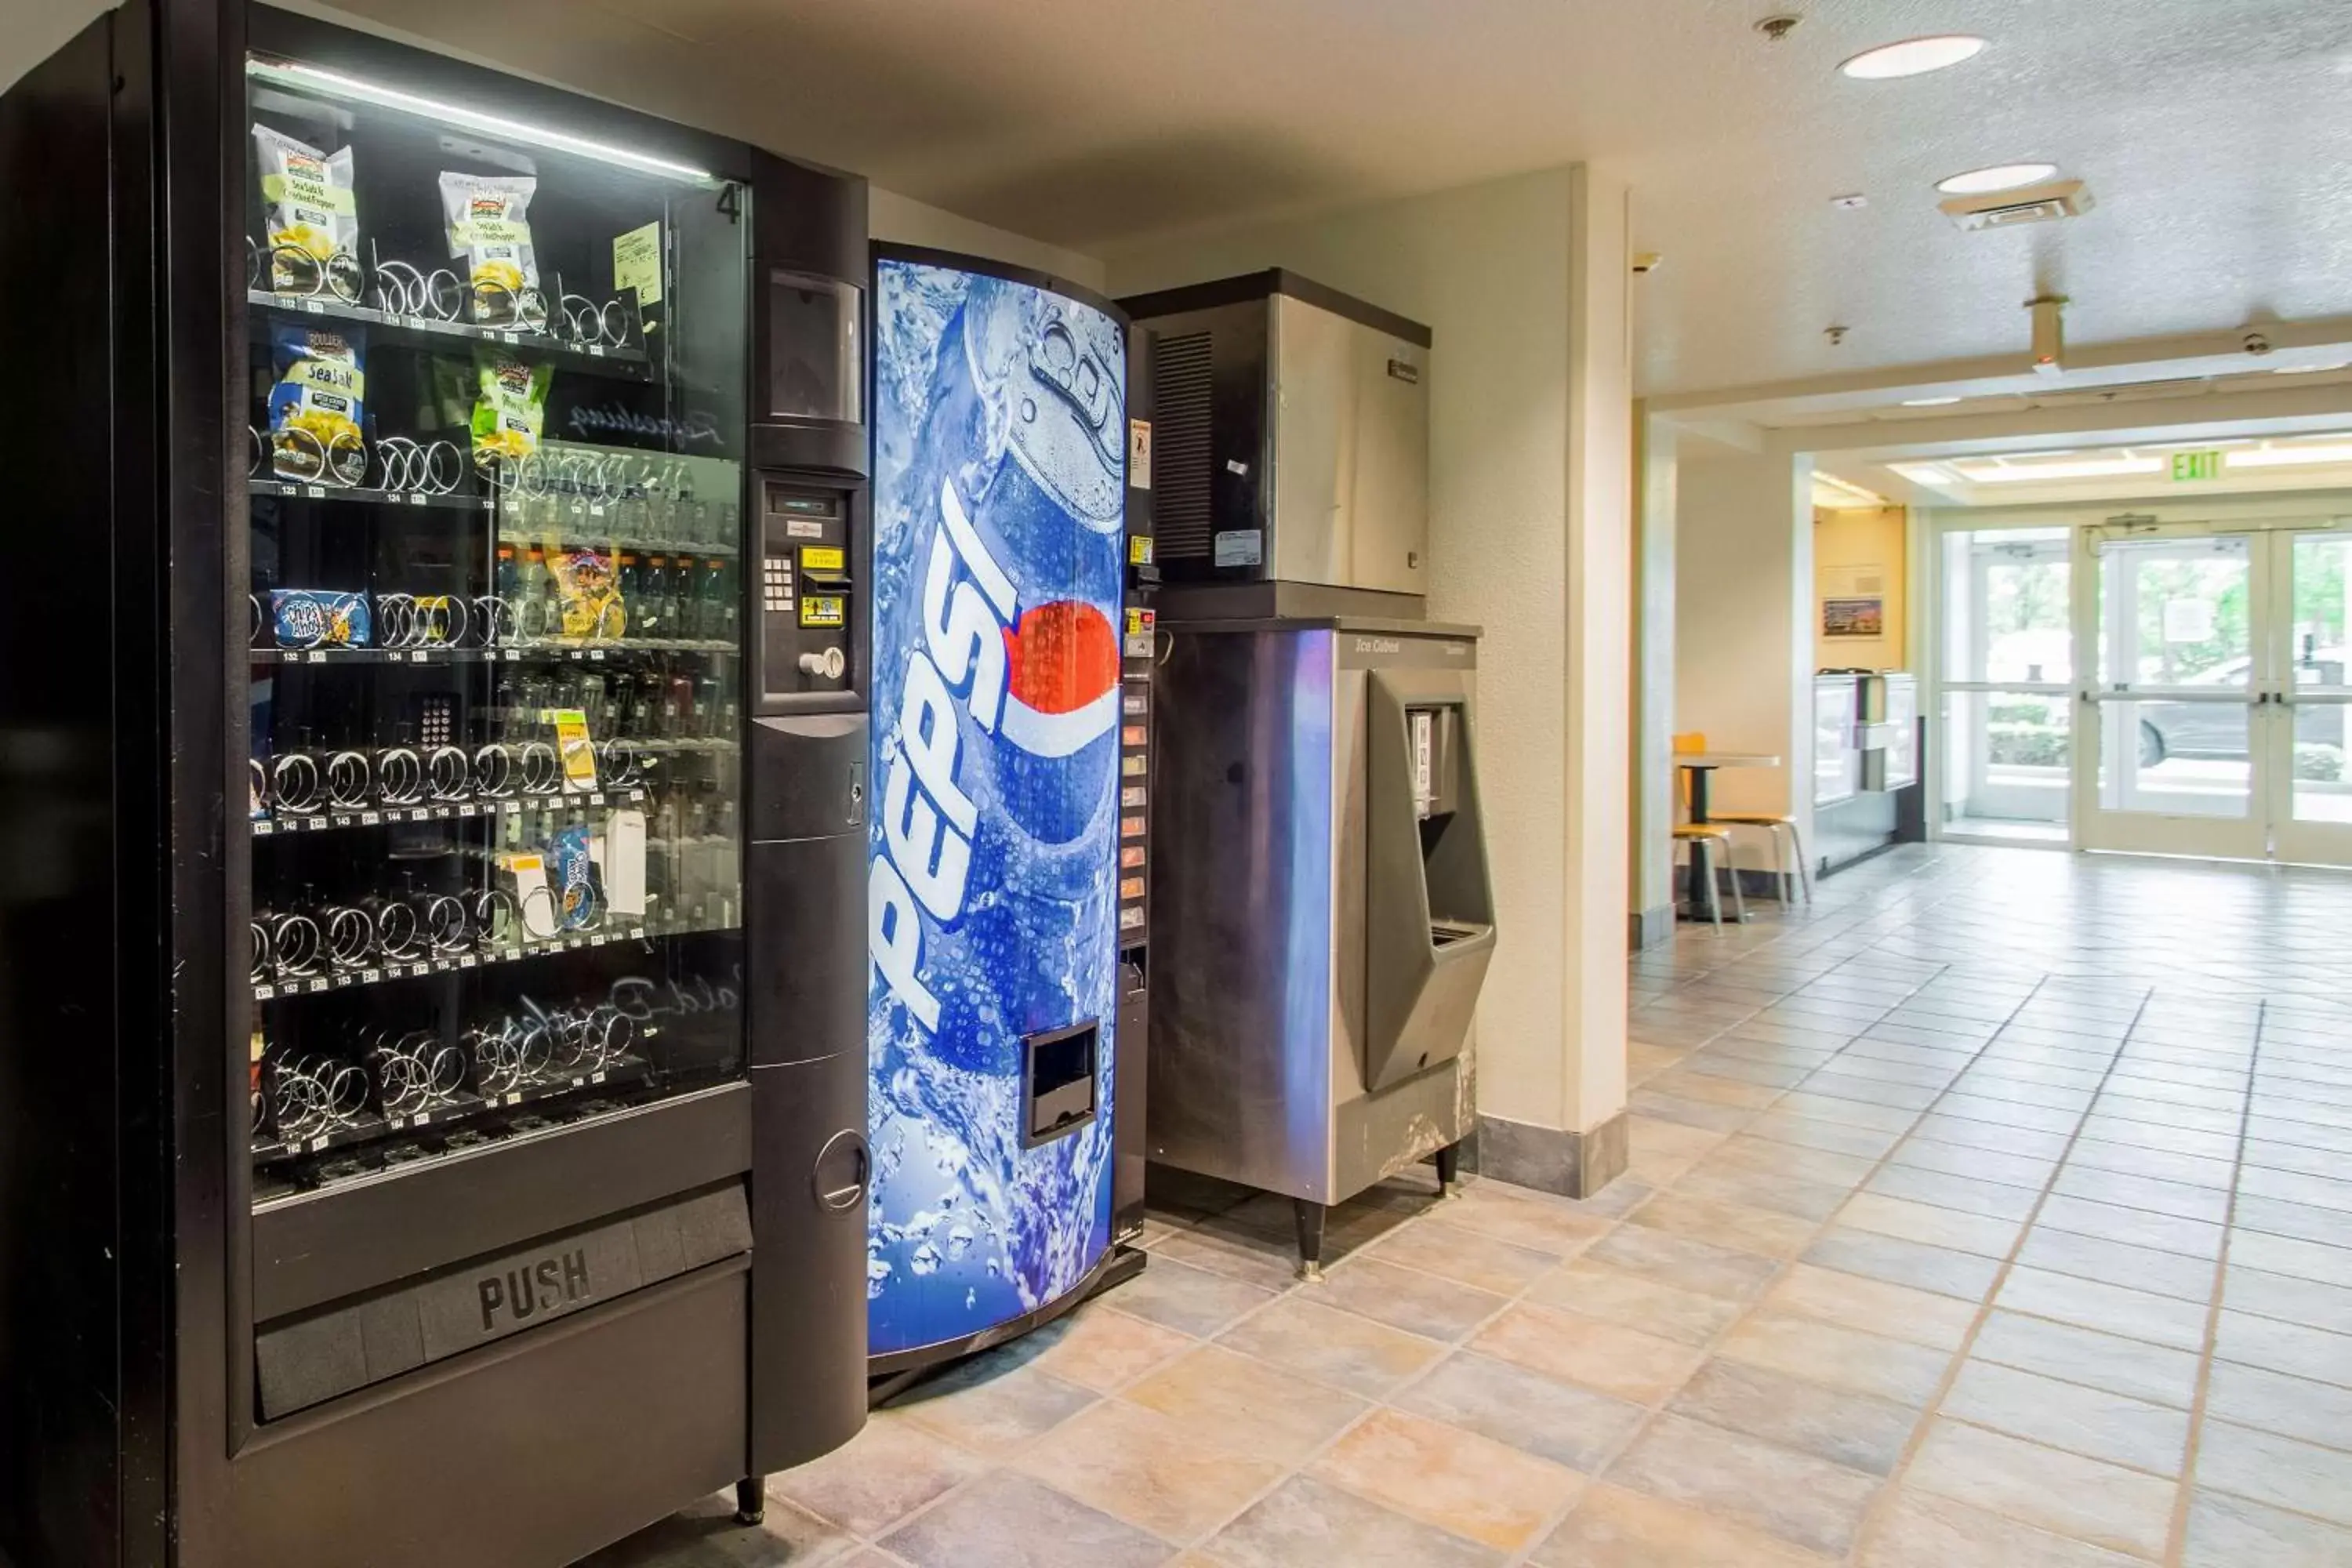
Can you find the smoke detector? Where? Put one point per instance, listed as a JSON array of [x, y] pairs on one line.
[[2034, 204]]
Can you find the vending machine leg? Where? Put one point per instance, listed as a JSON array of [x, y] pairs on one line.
[[752, 1500], [1309, 1216], [1449, 1170]]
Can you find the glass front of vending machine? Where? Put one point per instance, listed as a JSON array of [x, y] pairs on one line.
[[495, 408]]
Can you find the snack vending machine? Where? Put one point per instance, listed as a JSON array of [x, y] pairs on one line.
[[409, 1156], [1000, 493]]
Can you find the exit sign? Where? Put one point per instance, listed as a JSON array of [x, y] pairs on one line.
[[2196, 466]]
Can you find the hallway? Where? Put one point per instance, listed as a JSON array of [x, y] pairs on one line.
[[1997, 1211]]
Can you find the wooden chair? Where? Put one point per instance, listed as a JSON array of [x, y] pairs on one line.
[[1774, 824]]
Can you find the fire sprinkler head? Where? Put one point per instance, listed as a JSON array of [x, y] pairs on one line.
[[1776, 28]]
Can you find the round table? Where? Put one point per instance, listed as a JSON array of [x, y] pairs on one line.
[[1699, 770]]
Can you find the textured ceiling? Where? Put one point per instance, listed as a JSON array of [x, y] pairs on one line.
[[2216, 134]]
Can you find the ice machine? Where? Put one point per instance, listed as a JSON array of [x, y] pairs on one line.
[[1321, 916]]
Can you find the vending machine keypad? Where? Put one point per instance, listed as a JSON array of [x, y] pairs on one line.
[[807, 595]]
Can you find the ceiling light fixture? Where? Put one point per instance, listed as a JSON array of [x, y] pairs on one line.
[[1912, 57], [1927, 402], [1998, 177], [2287, 457], [2083, 468], [1834, 494]]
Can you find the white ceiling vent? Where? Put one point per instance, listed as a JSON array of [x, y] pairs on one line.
[[2035, 204]]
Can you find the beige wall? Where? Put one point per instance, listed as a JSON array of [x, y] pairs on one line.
[[1528, 529], [1743, 609], [1849, 544], [1651, 775], [905, 221]]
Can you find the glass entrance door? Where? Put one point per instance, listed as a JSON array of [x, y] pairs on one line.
[[2174, 762], [2310, 714], [2008, 684], [2218, 713]]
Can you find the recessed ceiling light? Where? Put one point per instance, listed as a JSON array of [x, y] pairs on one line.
[[1927, 402], [1913, 56], [1999, 177]]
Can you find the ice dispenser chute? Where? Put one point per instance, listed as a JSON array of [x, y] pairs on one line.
[[1429, 927]]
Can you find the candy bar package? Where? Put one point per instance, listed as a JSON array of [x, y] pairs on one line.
[[312, 208], [318, 407], [319, 617], [490, 231], [510, 408]]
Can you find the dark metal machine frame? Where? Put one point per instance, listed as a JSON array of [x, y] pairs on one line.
[[132, 1271]]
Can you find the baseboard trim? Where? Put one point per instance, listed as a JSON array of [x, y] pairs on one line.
[[1551, 1159], [1651, 926]]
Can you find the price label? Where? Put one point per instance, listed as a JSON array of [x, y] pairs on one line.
[[415, 969], [315, 823], [370, 976], [419, 657], [315, 656], [596, 350], [468, 962], [469, 809], [264, 993], [636, 795], [420, 1119], [263, 829], [595, 656], [510, 337], [317, 985], [318, 1145], [316, 492], [422, 814], [595, 1078], [416, 501], [369, 818], [314, 307], [596, 511], [510, 1098]]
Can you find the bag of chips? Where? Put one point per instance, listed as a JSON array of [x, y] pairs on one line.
[[510, 408], [490, 231], [318, 404], [312, 213], [590, 597]]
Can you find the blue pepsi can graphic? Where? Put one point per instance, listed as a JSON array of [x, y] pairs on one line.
[[999, 429]]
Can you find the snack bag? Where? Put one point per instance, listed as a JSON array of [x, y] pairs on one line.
[[584, 587], [572, 867], [510, 408], [318, 407], [319, 617], [489, 231], [311, 206]]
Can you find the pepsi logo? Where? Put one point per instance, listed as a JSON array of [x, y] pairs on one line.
[[1062, 679]]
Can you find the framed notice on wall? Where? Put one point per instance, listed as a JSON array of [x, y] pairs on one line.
[[1853, 602], [1854, 617]]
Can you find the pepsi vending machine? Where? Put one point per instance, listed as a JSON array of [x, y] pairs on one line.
[[999, 486]]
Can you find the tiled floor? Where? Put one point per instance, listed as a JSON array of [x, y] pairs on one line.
[[1996, 1212]]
